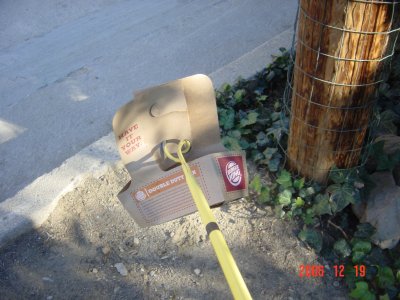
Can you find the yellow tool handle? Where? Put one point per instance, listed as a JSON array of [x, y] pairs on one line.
[[228, 265]]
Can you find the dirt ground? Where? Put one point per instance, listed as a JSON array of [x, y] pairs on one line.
[[90, 248]]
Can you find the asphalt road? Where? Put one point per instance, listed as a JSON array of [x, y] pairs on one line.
[[66, 66]]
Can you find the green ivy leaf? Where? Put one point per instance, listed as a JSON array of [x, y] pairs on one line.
[[262, 139], [384, 163], [270, 75], [279, 212], [245, 131], [231, 143], [275, 116], [250, 119], [360, 249], [255, 184], [284, 179], [342, 195], [235, 134], [384, 297], [272, 159], [387, 162], [226, 87], [262, 98], [269, 152], [304, 193], [364, 231], [396, 263], [227, 118], [308, 217], [361, 246], [357, 256], [350, 276], [312, 238], [256, 156], [239, 95], [322, 205], [265, 195], [299, 202], [276, 130], [377, 149], [298, 183], [285, 197], [385, 277], [342, 248], [362, 292], [398, 276], [273, 164], [277, 105], [338, 175], [376, 257], [387, 120], [244, 144]]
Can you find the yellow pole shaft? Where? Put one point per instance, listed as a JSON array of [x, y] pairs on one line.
[[228, 265]]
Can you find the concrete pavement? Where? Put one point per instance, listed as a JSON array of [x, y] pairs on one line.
[[59, 90]]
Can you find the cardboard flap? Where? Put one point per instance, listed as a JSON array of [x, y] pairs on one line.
[[143, 123], [181, 109]]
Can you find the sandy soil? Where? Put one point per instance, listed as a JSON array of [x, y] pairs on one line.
[[75, 254]]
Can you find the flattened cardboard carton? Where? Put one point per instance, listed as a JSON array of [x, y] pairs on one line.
[[181, 109]]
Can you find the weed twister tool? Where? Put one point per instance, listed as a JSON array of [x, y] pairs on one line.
[[180, 117]]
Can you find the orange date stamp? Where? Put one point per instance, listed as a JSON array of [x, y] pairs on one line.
[[338, 270]]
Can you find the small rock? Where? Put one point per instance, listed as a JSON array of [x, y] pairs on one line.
[[391, 143], [121, 269], [152, 273], [136, 241], [197, 271], [358, 184], [49, 298], [336, 283], [382, 209], [116, 289], [327, 267], [47, 279], [172, 234], [201, 238], [95, 271], [106, 250], [261, 211]]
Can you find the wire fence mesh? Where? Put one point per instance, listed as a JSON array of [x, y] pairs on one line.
[[341, 53]]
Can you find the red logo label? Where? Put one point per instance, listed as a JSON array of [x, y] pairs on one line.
[[233, 172]]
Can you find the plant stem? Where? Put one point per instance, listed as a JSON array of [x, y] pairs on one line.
[[339, 228]]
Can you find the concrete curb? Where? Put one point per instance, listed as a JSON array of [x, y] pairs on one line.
[[31, 206]]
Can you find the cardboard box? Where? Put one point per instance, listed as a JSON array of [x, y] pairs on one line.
[[181, 109]]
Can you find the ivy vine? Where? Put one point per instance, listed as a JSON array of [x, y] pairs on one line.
[[251, 118]]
